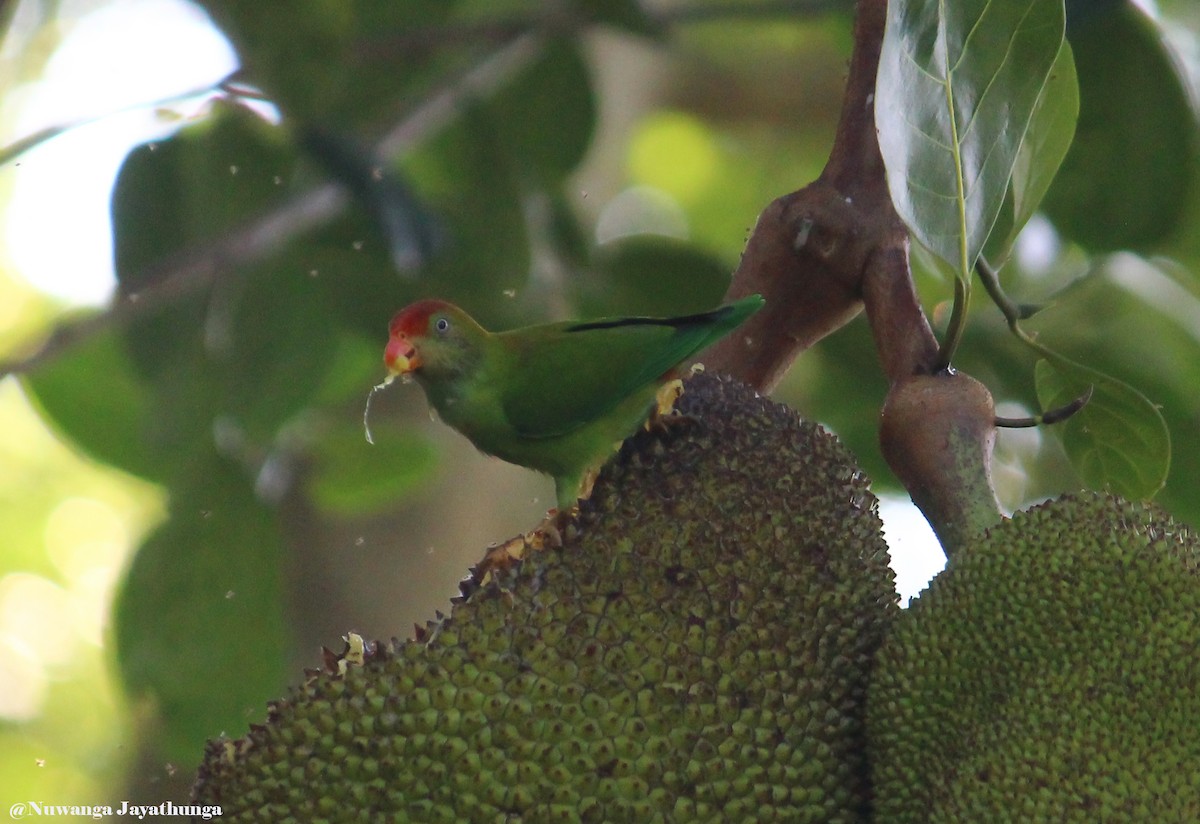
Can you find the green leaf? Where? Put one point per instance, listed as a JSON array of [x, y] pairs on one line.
[[336, 62], [199, 622], [650, 275], [182, 192], [547, 114], [195, 186], [352, 477], [1119, 441], [486, 247], [958, 84], [399, 214], [1125, 183], [251, 346], [280, 340], [1132, 321], [94, 396], [1047, 140], [297, 59]]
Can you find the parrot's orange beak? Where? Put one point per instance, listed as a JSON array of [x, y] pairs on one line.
[[400, 357]]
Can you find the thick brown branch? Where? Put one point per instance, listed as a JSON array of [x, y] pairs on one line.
[[903, 339], [818, 254], [806, 268], [855, 165], [834, 247]]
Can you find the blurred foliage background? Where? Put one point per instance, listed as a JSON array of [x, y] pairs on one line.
[[190, 508]]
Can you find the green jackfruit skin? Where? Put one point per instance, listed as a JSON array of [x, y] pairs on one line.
[[697, 650], [1050, 673]]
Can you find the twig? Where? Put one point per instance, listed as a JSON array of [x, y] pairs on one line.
[[1013, 312], [956, 327], [194, 269], [991, 284], [1049, 417], [12, 151]]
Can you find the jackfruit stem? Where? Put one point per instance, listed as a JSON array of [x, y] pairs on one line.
[[937, 433]]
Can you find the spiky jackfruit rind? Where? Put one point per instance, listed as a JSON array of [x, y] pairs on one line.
[[1050, 673], [697, 650]]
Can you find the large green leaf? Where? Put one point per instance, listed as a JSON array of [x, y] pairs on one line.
[[1119, 440], [199, 621], [474, 183], [151, 224], [650, 275], [251, 346], [179, 193], [280, 341], [957, 87], [94, 396], [1129, 319], [343, 62], [1047, 140], [1126, 182], [547, 114]]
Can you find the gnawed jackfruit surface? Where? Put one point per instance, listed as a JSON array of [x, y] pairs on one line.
[[697, 650], [1050, 673]]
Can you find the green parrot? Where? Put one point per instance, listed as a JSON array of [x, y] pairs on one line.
[[559, 397]]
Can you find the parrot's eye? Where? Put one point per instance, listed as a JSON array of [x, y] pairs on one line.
[[441, 324]]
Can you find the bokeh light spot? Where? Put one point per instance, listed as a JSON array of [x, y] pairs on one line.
[[641, 210], [674, 152]]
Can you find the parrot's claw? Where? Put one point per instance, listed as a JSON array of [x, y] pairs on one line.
[[664, 413], [585, 486], [549, 533], [666, 396], [546, 535], [664, 407]]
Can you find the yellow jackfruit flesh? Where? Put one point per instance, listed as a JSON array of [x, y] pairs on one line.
[[697, 650], [1050, 673]]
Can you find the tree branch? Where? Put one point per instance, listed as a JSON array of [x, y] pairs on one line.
[[821, 254]]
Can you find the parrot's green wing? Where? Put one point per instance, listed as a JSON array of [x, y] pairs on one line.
[[565, 375]]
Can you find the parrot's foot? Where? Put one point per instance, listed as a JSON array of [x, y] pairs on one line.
[[585, 487], [664, 406], [549, 533]]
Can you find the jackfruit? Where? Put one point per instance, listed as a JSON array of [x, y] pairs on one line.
[[1050, 673], [696, 650]]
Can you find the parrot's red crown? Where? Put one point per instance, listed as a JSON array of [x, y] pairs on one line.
[[413, 321]]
